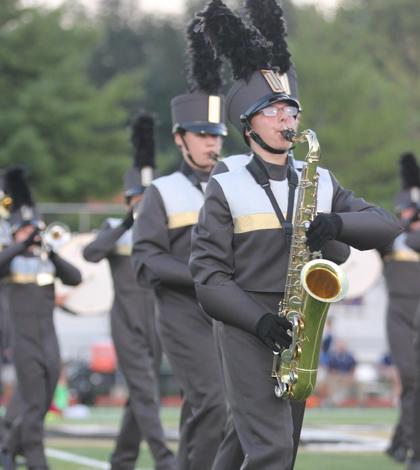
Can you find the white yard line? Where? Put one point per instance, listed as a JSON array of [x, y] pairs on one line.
[[80, 459]]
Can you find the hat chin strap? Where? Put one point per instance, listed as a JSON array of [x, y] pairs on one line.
[[190, 157], [258, 140]]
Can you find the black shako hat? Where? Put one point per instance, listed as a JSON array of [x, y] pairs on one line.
[[202, 109], [410, 182], [140, 175], [261, 65], [23, 210]]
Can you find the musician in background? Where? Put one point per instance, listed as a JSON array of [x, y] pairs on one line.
[[402, 275], [5, 329], [162, 238], [413, 242], [133, 323], [31, 268], [240, 250]]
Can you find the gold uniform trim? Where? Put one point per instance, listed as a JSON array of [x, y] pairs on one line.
[[42, 279], [182, 219], [403, 255], [123, 250], [214, 109], [252, 222]]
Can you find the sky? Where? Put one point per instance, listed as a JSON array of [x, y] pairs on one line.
[[170, 6]]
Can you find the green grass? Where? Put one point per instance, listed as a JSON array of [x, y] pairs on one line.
[[307, 460], [344, 461]]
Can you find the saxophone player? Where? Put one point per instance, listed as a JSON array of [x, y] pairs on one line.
[[240, 244]]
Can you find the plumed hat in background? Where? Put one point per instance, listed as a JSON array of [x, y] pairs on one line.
[[140, 175], [410, 183], [23, 209], [261, 63], [202, 109]]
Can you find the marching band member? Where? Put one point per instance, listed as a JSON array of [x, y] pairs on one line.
[[240, 248], [161, 250], [133, 317], [267, 17], [31, 271], [402, 275]]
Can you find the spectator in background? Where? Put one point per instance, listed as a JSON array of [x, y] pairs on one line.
[[341, 366], [388, 374]]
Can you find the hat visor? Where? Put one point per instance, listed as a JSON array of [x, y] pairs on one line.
[[134, 191], [204, 128]]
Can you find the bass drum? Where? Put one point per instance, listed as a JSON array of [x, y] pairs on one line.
[[363, 270], [95, 294]]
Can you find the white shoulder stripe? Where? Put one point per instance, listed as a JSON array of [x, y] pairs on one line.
[[182, 200], [249, 205]]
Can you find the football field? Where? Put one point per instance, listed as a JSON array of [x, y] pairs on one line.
[[332, 439]]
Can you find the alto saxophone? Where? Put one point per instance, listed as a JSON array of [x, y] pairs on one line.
[[311, 285]]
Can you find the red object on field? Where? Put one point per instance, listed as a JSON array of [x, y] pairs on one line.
[[103, 358]]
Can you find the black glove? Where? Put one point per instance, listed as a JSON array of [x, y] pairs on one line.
[[30, 240], [272, 331], [323, 228], [129, 220]]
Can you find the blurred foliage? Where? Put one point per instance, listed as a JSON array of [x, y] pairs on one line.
[[70, 84]]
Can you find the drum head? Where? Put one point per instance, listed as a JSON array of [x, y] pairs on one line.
[[95, 294], [363, 269]]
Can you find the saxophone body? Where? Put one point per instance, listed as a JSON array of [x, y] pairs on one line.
[[311, 285]]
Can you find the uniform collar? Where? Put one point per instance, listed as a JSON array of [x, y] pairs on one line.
[[275, 172], [195, 176]]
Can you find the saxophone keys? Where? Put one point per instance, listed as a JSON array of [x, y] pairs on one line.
[[286, 356], [297, 353], [281, 390], [293, 377]]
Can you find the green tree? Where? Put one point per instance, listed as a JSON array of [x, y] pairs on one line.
[[71, 135]]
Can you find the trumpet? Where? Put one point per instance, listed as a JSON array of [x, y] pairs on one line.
[[6, 203], [54, 236]]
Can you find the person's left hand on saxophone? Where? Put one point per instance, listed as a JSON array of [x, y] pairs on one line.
[[323, 228]]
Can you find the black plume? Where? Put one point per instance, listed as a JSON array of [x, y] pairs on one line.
[[204, 66], [142, 138], [16, 186], [244, 46], [267, 17], [410, 171]]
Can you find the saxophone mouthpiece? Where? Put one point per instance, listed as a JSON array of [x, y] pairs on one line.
[[289, 134], [215, 156]]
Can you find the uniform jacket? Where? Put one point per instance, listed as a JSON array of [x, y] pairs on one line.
[[239, 248], [162, 231], [114, 242], [402, 265]]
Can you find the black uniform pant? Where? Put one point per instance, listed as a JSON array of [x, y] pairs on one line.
[[263, 422], [138, 353], [37, 364], [187, 339], [401, 335], [230, 454]]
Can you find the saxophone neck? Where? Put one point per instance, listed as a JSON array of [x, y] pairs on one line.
[[309, 136]]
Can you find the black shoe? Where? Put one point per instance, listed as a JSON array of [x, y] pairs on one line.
[[413, 464], [7, 461], [399, 453]]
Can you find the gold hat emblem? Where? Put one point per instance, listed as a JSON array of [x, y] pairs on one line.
[[278, 83]]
